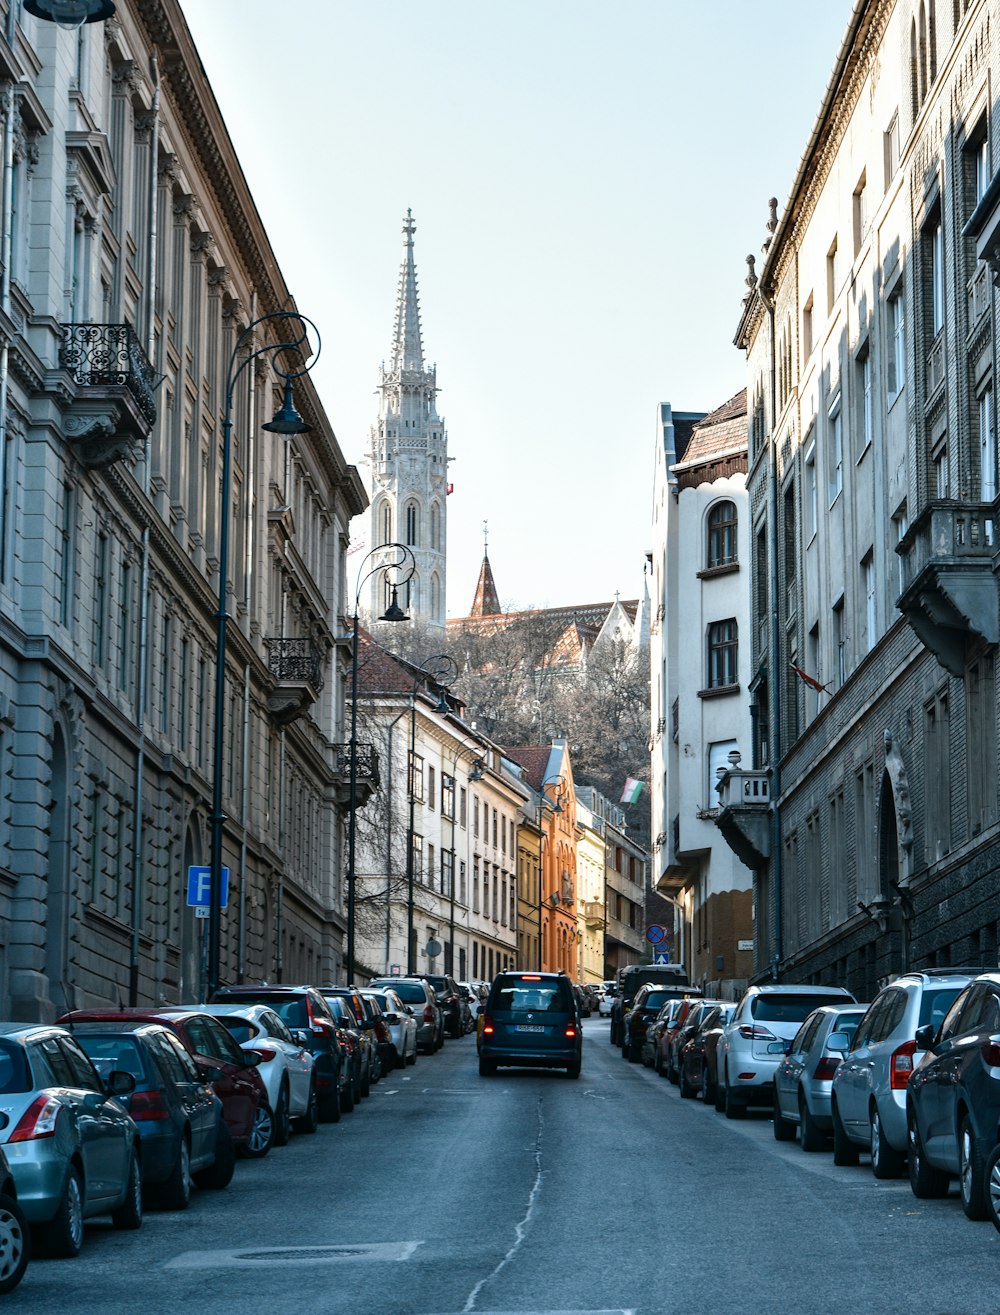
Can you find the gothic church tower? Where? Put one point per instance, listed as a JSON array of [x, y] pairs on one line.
[[408, 459]]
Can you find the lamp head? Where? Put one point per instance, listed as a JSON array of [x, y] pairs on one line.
[[394, 612], [477, 770], [70, 14], [287, 420]]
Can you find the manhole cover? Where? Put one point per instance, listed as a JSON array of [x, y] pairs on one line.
[[302, 1253]]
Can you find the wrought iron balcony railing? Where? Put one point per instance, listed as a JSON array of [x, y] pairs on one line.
[[295, 662], [110, 356], [368, 773]]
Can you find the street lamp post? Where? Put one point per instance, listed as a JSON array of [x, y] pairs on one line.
[[543, 803], [287, 422], [442, 669], [392, 613]]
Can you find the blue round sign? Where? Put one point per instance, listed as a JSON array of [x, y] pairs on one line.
[[655, 933]]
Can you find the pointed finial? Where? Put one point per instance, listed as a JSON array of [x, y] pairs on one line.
[[486, 538], [751, 278], [772, 214]]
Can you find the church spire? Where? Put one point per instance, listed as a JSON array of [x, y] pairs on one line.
[[486, 602], [407, 344]]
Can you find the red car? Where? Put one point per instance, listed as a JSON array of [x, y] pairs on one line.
[[231, 1070]]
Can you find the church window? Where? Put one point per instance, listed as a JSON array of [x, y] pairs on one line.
[[435, 597], [385, 523], [411, 524], [435, 527]]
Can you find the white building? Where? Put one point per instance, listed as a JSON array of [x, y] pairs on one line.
[[700, 671]]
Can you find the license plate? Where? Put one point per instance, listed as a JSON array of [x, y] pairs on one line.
[[528, 1027]]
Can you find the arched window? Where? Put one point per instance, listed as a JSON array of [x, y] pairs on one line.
[[931, 43], [435, 597], [722, 522], [435, 527], [922, 53], [411, 524], [385, 522]]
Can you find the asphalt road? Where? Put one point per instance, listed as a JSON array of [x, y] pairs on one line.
[[530, 1193]]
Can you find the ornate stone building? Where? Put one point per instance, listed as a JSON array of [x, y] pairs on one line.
[[871, 803], [136, 260], [408, 460]]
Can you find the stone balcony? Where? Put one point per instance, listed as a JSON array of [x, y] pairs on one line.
[[113, 409], [593, 913], [367, 776], [744, 815], [297, 667], [951, 587]]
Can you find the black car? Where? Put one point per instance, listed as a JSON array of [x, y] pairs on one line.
[[450, 1000], [177, 1113], [953, 1098], [531, 1020], [350, 1075], [306, 1013]]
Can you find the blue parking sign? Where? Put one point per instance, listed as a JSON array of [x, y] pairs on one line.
[[199, 893]]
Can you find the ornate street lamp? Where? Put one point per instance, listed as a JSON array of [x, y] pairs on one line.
[[70, 14], [543, 803], [287, 422], [392, 613]]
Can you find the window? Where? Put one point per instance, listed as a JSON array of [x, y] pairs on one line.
[[166, 640], [838, 881], [981, 720], [418, 857], [431, 788], [722, 523], [831, 277], [385, 523], [937, 778], [812, 493], [475, 885], [982, 165], [896, 353], [435, 527], [411, 524], [865, 418], [463, 810], [807, 328], [125, 635], [868, 583], [890, 149], [416, 777], [448, 873], [860, 212], [64, 546], [448, 796], [864, 822], [939, 460], [902, 524], [718, 757], [475, 816], [836, 454], [722, 653], [494, 828], [937, 278], [987, 448], [840, 641], [100, 600]]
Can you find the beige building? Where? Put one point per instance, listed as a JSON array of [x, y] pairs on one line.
[[592, 912]]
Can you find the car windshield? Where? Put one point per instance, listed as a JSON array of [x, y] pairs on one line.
[[785, 1008], [108, 1053], [14, 1075], [934, 1004], [534, 996]]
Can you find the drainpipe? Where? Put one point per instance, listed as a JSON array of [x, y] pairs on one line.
[[142, 657], [8, 212], [247, 599], [774, 654], [388, 838]]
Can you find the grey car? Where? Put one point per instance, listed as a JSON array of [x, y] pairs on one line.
[[804, 1077], [421, 1002], [868, 1098], [73, 1150]]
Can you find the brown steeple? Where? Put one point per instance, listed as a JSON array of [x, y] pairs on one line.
[[486, 602]]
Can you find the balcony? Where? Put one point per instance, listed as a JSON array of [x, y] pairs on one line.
[[368, 779], [951, 592], [744, 815], [593, 913], [114, 408], [297, 667]]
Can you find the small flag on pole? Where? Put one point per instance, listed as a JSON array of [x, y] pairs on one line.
[[449, 488], [633, 789], [811, 681]]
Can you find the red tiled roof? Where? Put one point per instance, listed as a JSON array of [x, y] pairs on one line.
[[533, 758]]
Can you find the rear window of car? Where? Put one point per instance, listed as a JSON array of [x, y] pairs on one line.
[[534, 996], [786, 1008], [410, 992], [657, 998], [111, 1053], [14, 1075], [935, 1003], [290, 1009], [240, 1028]]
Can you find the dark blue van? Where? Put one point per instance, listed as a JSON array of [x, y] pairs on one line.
[[531, 1020]]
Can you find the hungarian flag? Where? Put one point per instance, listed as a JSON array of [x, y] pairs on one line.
[[633, 789], [449, 488], [811, 681]]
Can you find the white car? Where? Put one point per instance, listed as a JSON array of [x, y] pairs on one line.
[[286, 1068], [401, 1023], [606, 1002]]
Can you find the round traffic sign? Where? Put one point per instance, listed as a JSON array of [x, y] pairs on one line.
[[655, 933]]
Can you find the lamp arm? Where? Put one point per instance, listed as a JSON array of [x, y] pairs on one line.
[[273, 350]]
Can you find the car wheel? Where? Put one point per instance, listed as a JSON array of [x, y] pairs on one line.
[[487, 1067], [971, 1173], [347, 1098], [15, 1244], [736, 1106], [129, 1213], [720, 1097], [282, 1120], [992, 1179], [309, 1121], [412, 1059], [64, 1232], [175, 1192], [633, 1053], [845, 1153], [329, 1108], [927, 1182], [887, 1162], [811, 1136], [688, 1090], [219, 1173], [782, 1128], [365, 1086], [707, 1090], [573, 1070], [261, 1137]]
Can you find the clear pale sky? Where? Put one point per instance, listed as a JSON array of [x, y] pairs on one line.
[[586, 178]]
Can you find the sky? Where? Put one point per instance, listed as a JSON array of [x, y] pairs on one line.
[[587, 178]]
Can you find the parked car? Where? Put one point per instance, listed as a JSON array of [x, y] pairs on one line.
[[173, 1106], [747, 1054], [868, 1098], [698, 1054], [953, 1099], [15, 1231], [531, 1020], [419, 998], [670, 1012], [636, 975], [371, 1066], [608, 1000], [804, 1077], [583, 1004], [307, 1015], [286, 1067], [401, 1024], [677, 1038], [474, 994], [72, 1149], [231, 1071], [355, 1045], [643, 1008], [384, 1050], [449, 999]]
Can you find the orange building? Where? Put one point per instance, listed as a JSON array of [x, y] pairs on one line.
[[546, 769]]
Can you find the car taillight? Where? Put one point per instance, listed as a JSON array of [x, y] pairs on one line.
[[991, 1054], [266, 1055], [755, 1032], [315, 1025], [428, 1013], [38, 1120], [571, 1029], [901, 1065], [148, 1105], [826, 1068], [487, 1025]]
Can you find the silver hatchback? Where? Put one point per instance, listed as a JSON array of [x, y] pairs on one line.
[[804, 1077], [868, 1099]]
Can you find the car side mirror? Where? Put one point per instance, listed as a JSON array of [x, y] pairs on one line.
[[300, 1036], [120, 1083], [924, 1036], [838, 1041]]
